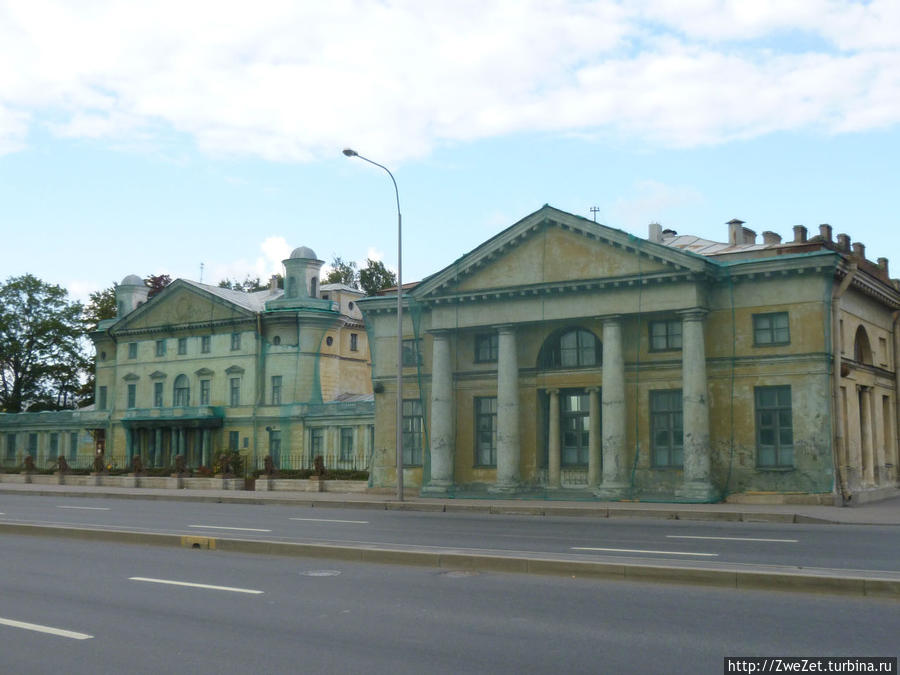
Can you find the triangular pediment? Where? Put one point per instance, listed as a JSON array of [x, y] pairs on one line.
[[181, 303], [552, 247]]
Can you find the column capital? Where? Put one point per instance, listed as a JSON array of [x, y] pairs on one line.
[[591, 390], [440, 332], [693, 314], [505, 328], [552, 390], [612, 318]]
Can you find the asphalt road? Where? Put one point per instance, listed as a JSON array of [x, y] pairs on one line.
[[283, 615], [846, 547]]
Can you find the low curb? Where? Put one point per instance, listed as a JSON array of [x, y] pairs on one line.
[[531, 509], [749, 579]]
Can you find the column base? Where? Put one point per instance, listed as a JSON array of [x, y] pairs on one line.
[[611, 491], [700, 491], [436, 489], [505, 489]]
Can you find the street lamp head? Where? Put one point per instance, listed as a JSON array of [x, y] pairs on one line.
[[350, 153]]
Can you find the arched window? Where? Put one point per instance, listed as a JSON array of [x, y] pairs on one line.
[[862, 350], [182, 393], [571, 348], [313, 287]]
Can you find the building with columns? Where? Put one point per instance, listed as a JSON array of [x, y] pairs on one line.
[[566, 359], [198, 369]]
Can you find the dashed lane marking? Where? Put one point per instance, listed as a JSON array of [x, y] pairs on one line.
[[330, 520], [189, 584], [49, 630], [86, 508], [687, 536], [222, 527], [636, 550]]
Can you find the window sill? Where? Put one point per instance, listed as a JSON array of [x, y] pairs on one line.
[[777, 469], [771, 344]]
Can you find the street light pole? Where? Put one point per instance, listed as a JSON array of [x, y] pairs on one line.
[[399, 439]]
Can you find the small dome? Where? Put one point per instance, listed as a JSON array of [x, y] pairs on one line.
[[132, 280], [304, 252]]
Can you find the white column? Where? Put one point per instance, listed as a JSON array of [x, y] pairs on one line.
[[508, 449], [614, 483], [441, 436], [594, 440], [695, 409], [865, 425], [554, 479]]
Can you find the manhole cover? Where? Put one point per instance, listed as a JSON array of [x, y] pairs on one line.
[[320, 573], [456, 574]]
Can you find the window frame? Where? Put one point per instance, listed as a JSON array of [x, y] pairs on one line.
[[782, 453], [661, 406], [276, 389], [491, 352], [131, 402], [158, 394], [412, 432], [234, 392], [235, 342], [205, 344], [485, 423], [205, 391], [354, 342], [669, 336], [132, 350], [182, 346], [346, 444], [772, 329], [181, 395], [551, 355], [102, 397], [160, 348], [411, 353]]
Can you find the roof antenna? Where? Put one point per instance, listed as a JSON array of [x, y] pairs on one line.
[[201, 273], [594, 210]]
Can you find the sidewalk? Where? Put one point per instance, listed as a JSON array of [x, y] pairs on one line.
[[886, 512]]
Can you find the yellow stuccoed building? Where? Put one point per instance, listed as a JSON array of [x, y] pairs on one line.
[[565, 359], [199, 369]]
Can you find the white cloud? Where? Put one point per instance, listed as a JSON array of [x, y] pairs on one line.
[[297, 81], [273, 249]]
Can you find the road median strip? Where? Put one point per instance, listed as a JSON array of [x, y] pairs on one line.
[[753, 577]]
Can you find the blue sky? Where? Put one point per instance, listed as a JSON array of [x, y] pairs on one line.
[[153, 139]]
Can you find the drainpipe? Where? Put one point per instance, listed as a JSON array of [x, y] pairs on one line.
[[839, 450], [896, 317], [258, 384]]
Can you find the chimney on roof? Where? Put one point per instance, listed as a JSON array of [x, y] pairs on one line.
[[273, 283], [859, 249], [770, 238], [748, 235], [655, 232], [799, 234], [734, 231], [883, 264], [843, 243], [825, 231]]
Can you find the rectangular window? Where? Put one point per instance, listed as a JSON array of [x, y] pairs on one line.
[[486, 431], [73, 446], [233, 440], [204, 392], [774, 427], [665, 335], [275, 447], [346, 444], [132, 395], [157, 394], [771, 329], [205, 341], [32, 445], [316, 440], [486, 347], [10, 447], [276, 390], [235, 389], [182, 346], [412, 353], [132, 350], [101, 398], [666, 428], [412, 432], [160, 347], [54, 447], [235, 341], [574, 416], [354, 342]]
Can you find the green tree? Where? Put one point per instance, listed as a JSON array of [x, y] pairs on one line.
[[375, 277], [343, 273], [249, 284], [156, 282], [102, 306], [40, 332]]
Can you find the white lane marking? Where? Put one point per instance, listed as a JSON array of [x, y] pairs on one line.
[[86, 508], [636, 550], [687, 536], [193, 585], [328, 520], [220, 527], [46, 629]]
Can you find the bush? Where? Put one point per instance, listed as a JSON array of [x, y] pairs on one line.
[[330, 474]]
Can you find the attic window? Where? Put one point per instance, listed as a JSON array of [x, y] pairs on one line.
[[350, 305], [324, 296], [329, 341], [276, 340]]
